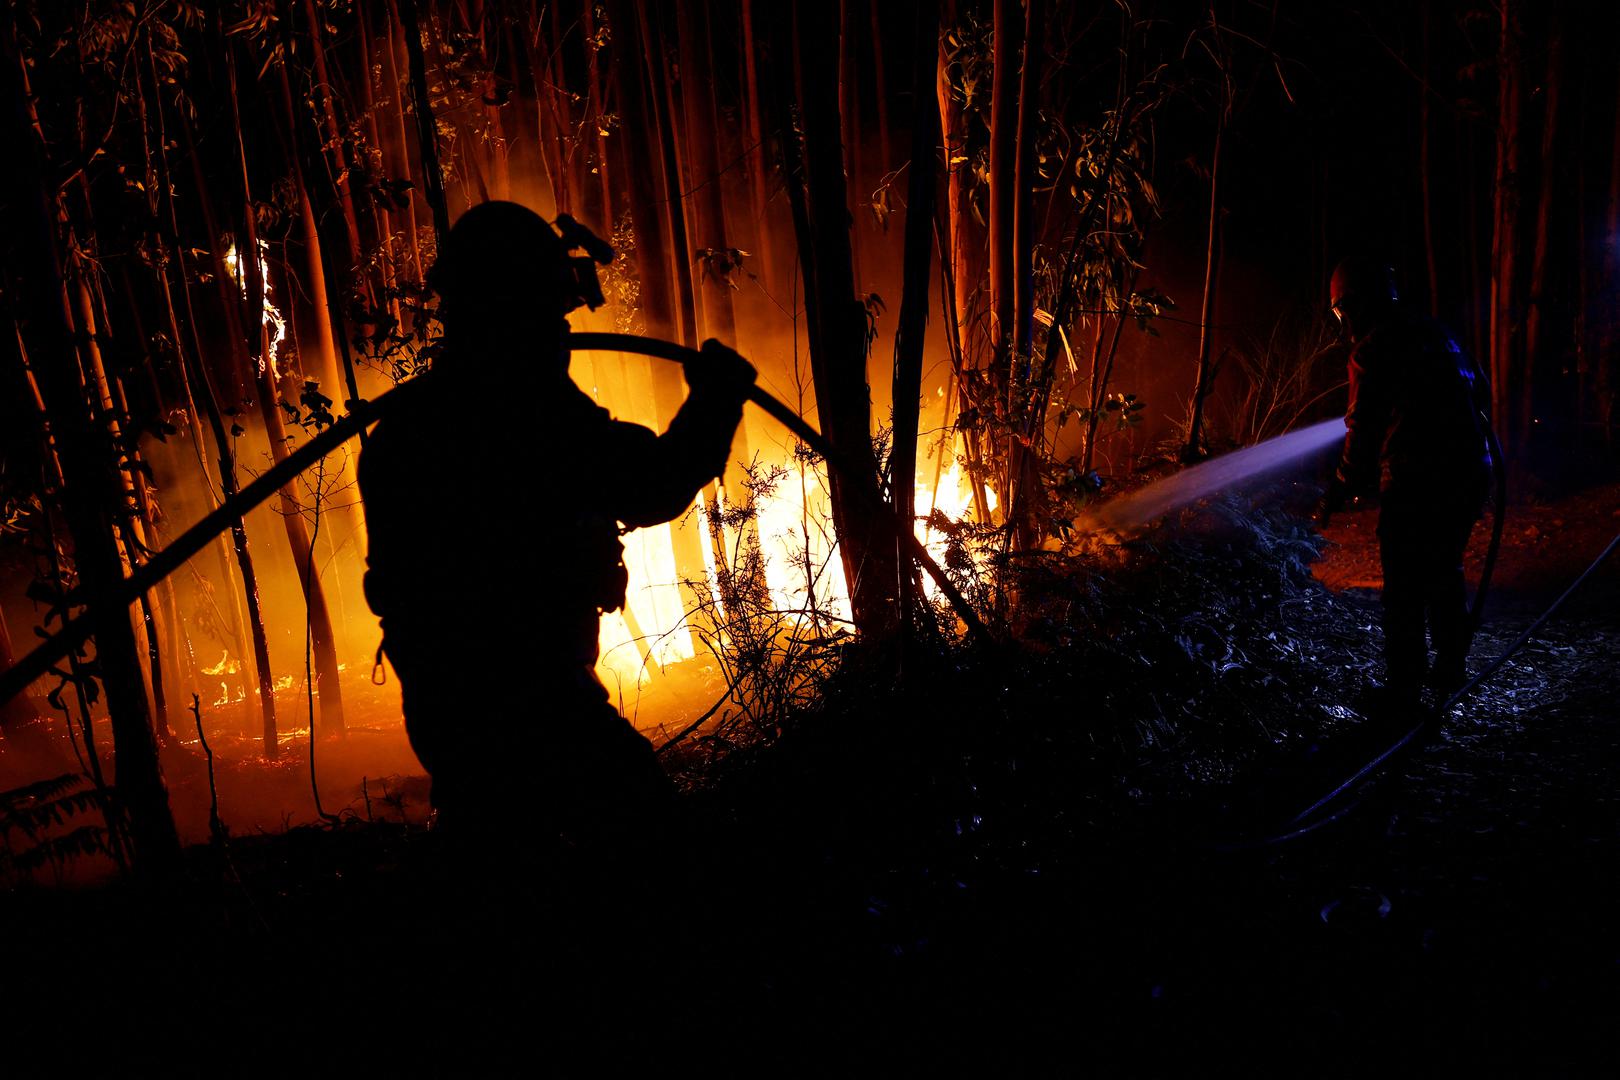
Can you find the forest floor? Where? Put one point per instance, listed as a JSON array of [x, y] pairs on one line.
[[1038, 861]]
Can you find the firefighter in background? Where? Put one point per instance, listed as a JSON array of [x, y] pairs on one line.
[[1417, 435], [495, 491]]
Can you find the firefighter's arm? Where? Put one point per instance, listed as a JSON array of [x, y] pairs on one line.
[[664, 472], [1367, 423]]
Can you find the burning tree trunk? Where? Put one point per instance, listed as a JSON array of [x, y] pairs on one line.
[[91, 492], [838, 330], [292, 513], [325, 345], [240, 385]]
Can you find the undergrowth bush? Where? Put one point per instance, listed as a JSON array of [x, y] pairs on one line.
[[1195, 645], [43, 825]]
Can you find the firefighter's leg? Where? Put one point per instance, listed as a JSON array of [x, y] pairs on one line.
[[1405, 651], [1447, 601], [610, 780]]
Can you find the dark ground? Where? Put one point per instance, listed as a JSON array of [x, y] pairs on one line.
[[984, 869]]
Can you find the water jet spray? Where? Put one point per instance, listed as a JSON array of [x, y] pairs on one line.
[[1183, 488]]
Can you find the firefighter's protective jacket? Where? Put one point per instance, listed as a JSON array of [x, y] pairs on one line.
[[1415, 419], [493, 513]]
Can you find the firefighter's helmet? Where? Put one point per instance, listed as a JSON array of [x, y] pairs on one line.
[[502, 258], [1362, 292]]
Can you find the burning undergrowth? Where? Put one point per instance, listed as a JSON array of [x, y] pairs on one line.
[[1147, 672]]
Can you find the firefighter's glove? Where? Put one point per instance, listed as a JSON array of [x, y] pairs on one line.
[[720, 373], [1333, 500]]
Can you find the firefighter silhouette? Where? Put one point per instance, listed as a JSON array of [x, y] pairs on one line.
[[1417, 435], [495, 491]]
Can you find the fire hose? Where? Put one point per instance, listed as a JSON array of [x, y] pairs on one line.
[[76, 630], [1331, 807]]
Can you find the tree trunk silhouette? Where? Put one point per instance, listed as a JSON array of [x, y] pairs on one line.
[[382, 219], [398, 162], [1003, 208], [1026, 496], [838, 330], [708, 201], [499, 153], [105, 413], [1541, 360], [91, 491], [756, 155], [1606, 379], [651, 222], [958, 263], [1506, 326], [706, 178], [200, 388], [269, 398], [336, 146], [667, 114], [1425, 143], [599, 208], [913, 323], [1194, 447], [333, 340], [427, 133]]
